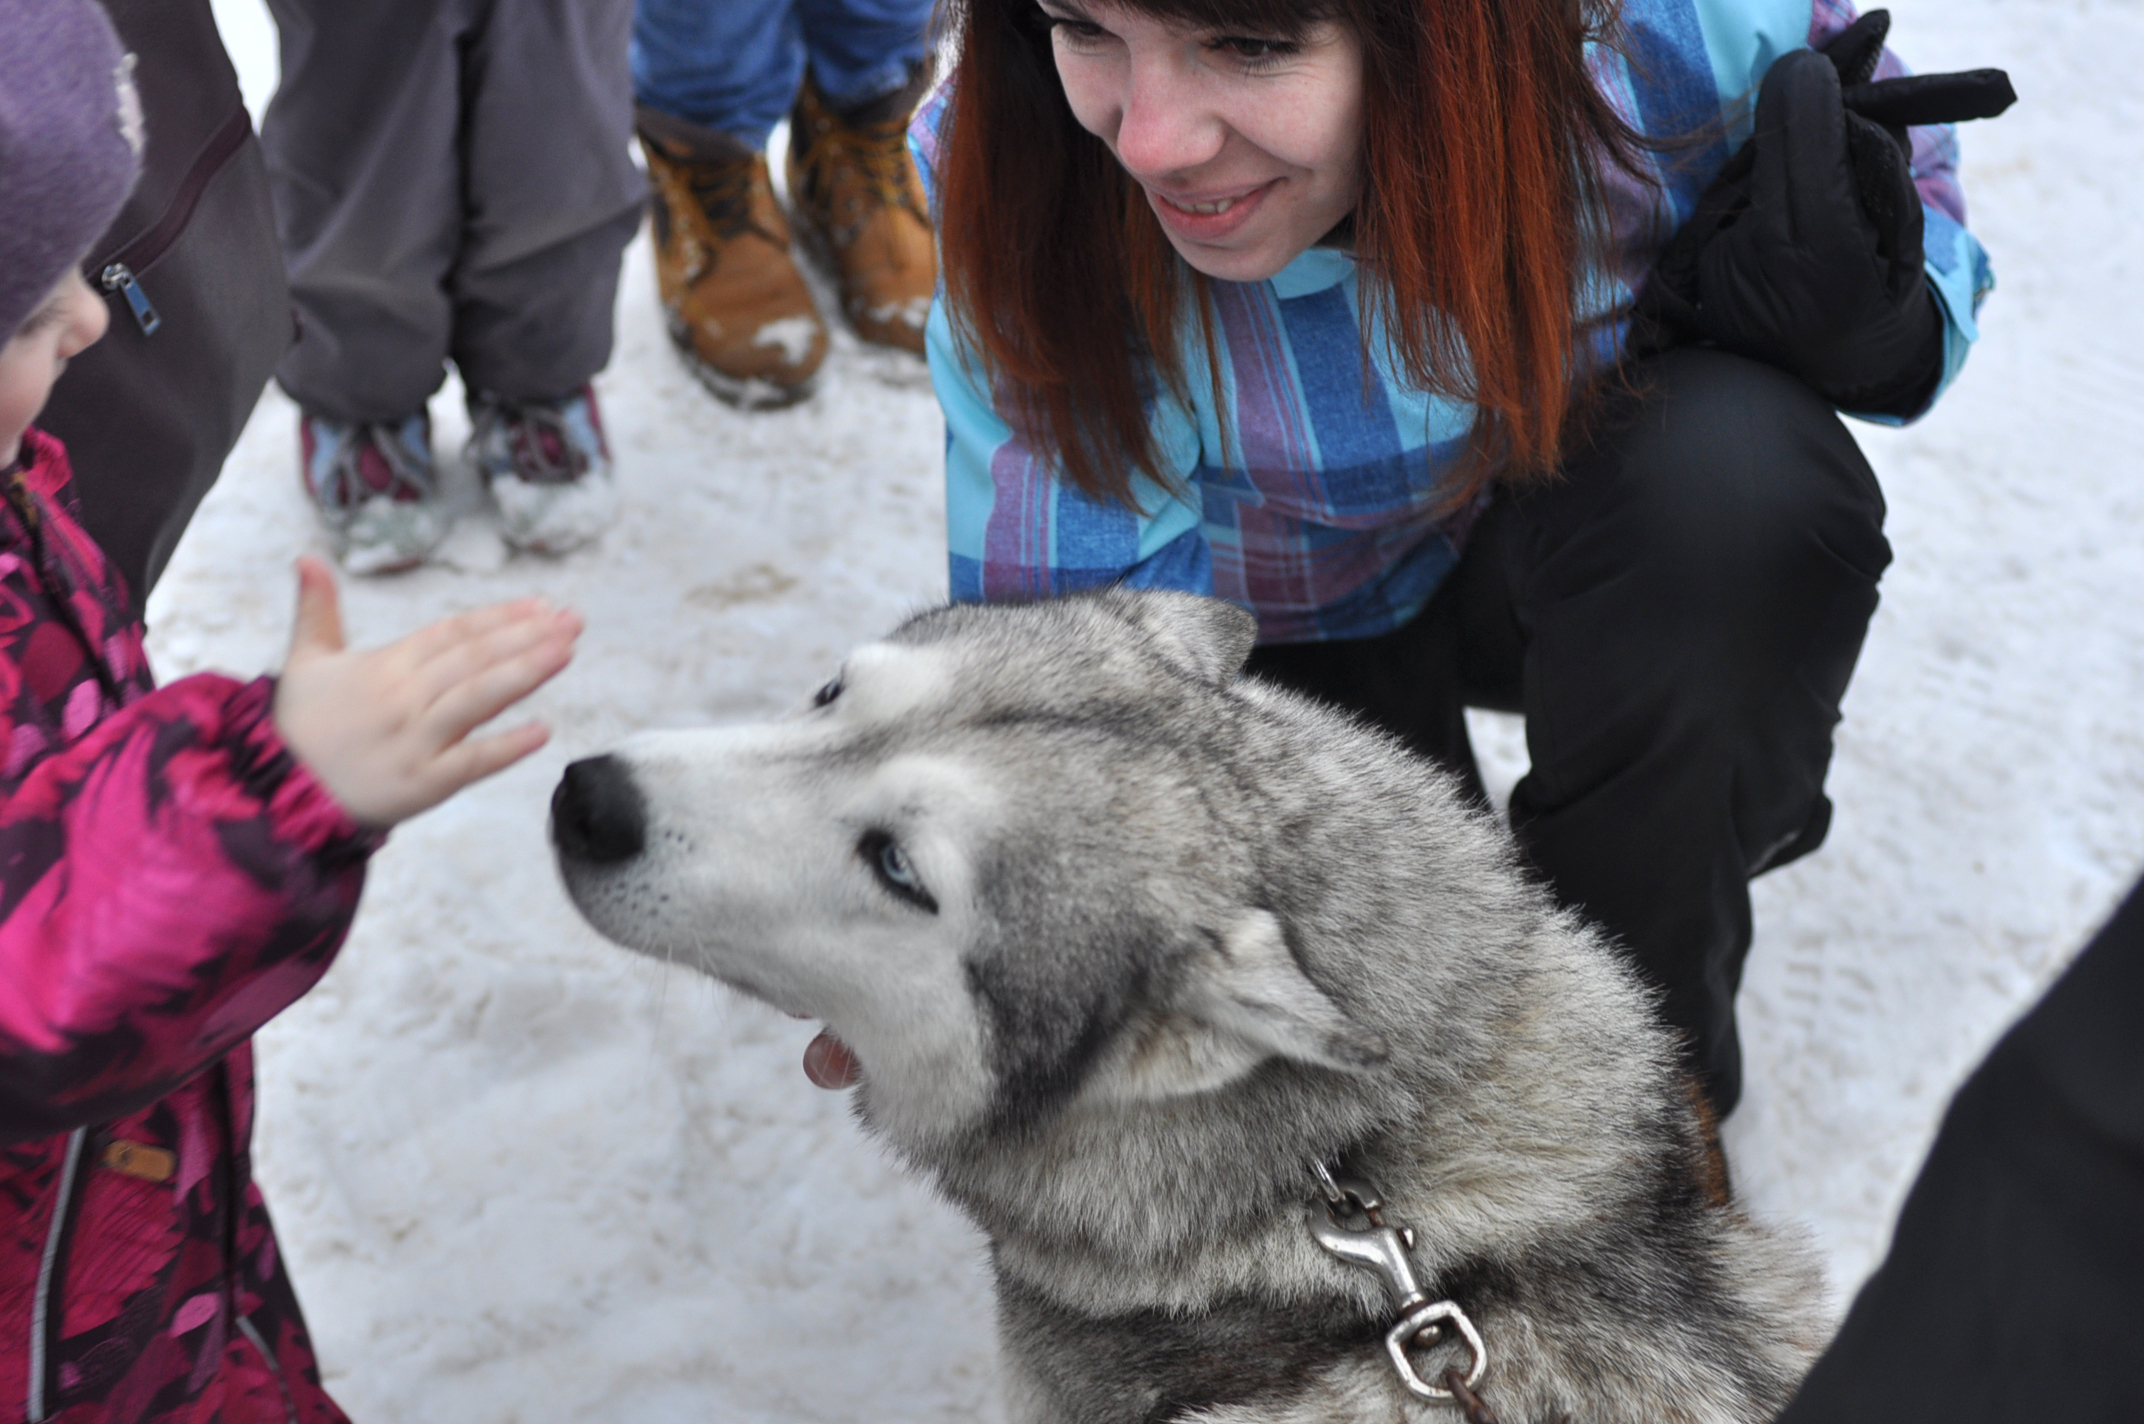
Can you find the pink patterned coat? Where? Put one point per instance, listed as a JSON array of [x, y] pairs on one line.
[[171, 877]]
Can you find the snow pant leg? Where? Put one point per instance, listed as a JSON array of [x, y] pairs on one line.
[[553, 196], [1691, 598], [2011, 1290], [451, 180], [363, 147], [1677, 616], [861, 50], [728, 65]]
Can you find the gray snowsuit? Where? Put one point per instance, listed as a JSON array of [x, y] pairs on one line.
[[452, 183]]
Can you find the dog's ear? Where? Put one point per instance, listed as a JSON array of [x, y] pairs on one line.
[[1241, 1001], [1249, 988], [1209, 638]]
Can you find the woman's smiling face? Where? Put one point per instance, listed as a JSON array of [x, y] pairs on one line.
[[1248, 146]]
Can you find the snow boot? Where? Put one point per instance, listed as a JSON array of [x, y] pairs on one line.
[[375, 488], [860, 209], [547, 465], [739, 310]]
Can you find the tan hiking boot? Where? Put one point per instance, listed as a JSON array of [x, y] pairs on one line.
[[859, 207], [739, 310]]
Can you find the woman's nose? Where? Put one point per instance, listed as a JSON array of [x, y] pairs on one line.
[[1168, 126]]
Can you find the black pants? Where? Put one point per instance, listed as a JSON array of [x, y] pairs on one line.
[[1677, 616]]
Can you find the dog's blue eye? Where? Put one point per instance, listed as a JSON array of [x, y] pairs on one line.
[[827, 693], [886, 858]]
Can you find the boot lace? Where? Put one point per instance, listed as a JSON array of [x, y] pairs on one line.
[[877, 154], [722, 190]]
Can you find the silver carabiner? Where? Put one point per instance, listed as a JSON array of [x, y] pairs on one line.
[[1385, 1249], [1374, 1247], [1407, 1334]]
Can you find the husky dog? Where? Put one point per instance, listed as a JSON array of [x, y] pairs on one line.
[[1121, 949]]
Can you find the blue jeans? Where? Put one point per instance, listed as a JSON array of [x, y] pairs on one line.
[[734, 65]]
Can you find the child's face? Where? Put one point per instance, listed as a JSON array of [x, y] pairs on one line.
[[66, 323]]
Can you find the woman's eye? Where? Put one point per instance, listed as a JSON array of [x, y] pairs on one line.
[[1080, 32], [1244, 47], [827, 693]]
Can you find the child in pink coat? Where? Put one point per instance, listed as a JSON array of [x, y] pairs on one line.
[[177, 864]]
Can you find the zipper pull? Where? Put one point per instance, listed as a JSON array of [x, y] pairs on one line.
[[120, 278]]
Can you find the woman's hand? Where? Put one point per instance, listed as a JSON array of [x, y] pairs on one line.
[[1805, 250], [386, 729], [1822, 274]]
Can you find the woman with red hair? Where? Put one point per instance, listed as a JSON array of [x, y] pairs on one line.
[[1346, 312]]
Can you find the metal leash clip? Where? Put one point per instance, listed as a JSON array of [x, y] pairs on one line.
[[1383, 1248]]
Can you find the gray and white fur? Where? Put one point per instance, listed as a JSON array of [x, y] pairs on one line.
[[1125, 943]]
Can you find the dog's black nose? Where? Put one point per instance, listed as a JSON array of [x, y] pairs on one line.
[[597, 813]]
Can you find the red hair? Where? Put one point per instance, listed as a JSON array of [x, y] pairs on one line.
[[1484, 141]]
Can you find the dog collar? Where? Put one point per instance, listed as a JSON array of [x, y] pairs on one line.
[[1352, 1228]]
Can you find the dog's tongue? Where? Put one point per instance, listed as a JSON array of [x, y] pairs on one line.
[[829, 1064]]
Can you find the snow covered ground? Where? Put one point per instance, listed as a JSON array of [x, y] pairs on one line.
[[524, 1177]]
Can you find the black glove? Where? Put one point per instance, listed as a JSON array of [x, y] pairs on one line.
[[1805, 252]]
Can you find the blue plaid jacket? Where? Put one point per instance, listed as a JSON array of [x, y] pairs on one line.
[[1319, 510]]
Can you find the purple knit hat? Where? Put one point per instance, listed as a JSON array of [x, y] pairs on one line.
[[70, 143]]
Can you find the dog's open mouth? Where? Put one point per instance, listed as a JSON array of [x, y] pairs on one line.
[[829, 1063]]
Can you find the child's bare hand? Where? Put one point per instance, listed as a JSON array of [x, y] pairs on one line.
[[384, 728]]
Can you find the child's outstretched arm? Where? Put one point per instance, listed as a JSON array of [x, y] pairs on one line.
[[188, 868], [387, 729]]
